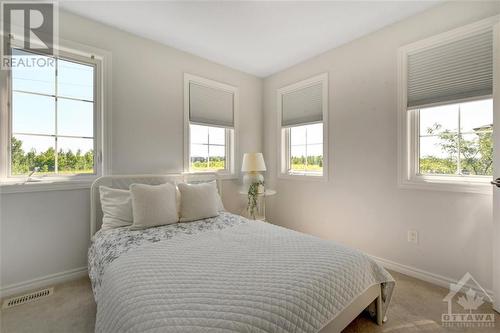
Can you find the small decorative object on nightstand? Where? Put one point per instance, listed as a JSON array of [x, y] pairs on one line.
[[253, 186], [253, 164]]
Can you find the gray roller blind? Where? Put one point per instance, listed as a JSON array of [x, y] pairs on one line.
[[210, 106], [454, 71], [302, 106]]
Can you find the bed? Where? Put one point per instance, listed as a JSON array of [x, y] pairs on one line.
[[226, 274]]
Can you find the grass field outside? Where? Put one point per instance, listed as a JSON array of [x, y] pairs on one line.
[[308, 167], [204, 166]]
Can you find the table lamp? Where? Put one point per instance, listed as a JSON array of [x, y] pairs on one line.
[[253, 164]]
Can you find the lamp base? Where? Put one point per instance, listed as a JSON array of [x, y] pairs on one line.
[[250, 178]]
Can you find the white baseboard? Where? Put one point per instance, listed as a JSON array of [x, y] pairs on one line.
[[420, 274], [42, 282]]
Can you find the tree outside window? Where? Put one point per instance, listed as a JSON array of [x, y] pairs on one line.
[[456, 139]]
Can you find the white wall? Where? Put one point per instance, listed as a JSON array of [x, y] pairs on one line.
[[45, 233], [361, 204]]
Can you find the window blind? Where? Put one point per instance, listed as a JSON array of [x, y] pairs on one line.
[[302, 106], [210, 106], [453, 71]]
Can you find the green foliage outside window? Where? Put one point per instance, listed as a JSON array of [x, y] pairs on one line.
[[314, 163], [476, 153], [202, 164], [67, 162]]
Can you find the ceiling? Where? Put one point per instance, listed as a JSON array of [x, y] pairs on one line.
[[260, 38]]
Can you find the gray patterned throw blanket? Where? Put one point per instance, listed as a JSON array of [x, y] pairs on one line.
[[225, 274]]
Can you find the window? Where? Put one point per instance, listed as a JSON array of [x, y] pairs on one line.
[[54, 122], [306, 149], [302, 113], [210, 126], [456, 139], [446, 110], [208, 148], [52, 118]]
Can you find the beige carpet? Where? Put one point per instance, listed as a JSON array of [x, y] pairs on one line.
[[416, 307]]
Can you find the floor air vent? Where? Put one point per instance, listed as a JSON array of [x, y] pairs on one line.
[[27, 298]]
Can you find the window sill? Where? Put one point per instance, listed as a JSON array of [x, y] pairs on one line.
[[477, 186], [221, 176], [318, 178], [43, 185]]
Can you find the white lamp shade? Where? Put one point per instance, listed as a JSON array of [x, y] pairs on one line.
[[253, 162]]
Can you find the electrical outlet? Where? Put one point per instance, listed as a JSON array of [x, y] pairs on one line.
[[413, 236]]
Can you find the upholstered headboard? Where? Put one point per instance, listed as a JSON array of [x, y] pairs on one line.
[[123, 182]]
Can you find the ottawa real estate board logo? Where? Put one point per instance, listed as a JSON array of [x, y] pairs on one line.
[[29, 33], [469, 295]]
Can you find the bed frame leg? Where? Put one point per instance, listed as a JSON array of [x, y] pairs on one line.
[[380, 318]]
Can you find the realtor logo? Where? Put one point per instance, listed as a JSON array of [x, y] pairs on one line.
[[31, 26], [473, 298]]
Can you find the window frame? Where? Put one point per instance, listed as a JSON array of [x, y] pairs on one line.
[[288, 138], [228, 137], [415, 164], [97, 170], [408, 122], [283, 137], [231, 134], [78, 53]]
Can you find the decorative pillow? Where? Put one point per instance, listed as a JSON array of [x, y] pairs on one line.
[[220, 204], [116, 207], [198, 201], [153, 205]]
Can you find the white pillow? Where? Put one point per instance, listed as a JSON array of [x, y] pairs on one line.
[[153, 205], [116, 206], [220, 204], [199, 201]]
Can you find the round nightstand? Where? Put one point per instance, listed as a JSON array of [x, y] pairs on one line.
[[261, 205]]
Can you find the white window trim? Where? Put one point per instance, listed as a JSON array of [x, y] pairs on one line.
[[408, 122], [232, 137], [102, 136], [283, 138]]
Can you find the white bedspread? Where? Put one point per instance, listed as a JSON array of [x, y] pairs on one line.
[[248, 276]]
